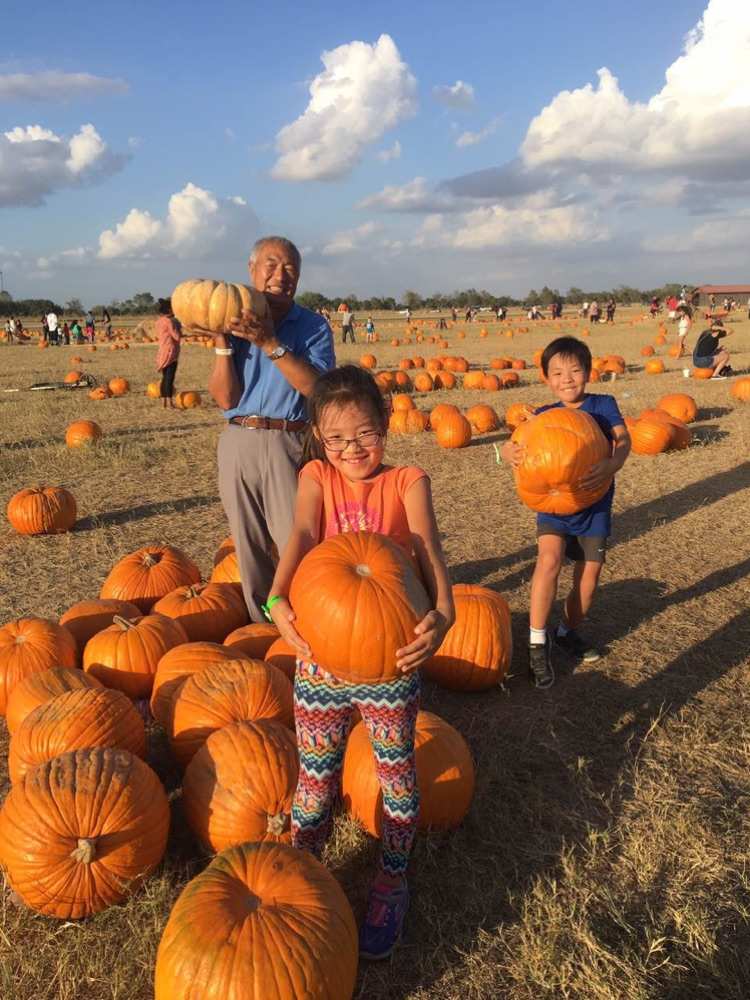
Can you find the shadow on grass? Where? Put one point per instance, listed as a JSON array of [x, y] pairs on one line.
[[545, 779], [145, 510]]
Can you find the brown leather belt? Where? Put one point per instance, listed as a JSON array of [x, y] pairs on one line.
[[268, 423]]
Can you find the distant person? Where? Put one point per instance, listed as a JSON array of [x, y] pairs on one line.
[[467, 315], [683, 328], [45, 330], [76, 332], [90, 328], [52, 327], [168, 352], [594, 312], [654, 307], [19, 329], [585, 310], [66, 333], [408, 314], [610, 307], [107, 321], [454, 314], [711, 302], [748, 308], [347, 326], [370, 331], [707, 353], [10, 329]]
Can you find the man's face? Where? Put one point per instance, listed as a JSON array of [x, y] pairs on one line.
[[275, 272]]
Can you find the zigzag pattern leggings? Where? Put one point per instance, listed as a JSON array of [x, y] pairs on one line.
[[322, 713]]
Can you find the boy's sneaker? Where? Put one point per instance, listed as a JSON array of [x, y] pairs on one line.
[[384, 921], [718, 375], [541, 672], [577, 647]]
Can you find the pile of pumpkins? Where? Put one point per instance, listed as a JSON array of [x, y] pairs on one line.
[[452, 428], [665, 427], [87, 820]]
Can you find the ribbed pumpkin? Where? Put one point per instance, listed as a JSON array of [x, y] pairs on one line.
[[210, 305], [240, 784], [37, 689], [441, 410], [482, 418], [408, 422], [650, 437], [741, 390], [680, 433], [280, 654], [81, 433], [478, 649], [84, 619], [148, 574], [225, 547], [445, 776], [253, 640], [42, 510], [261, 922], [222, 693], [207, 611], [89, 717], [517, 413], [125, 655], [560, 445], [179, 663], [31, 645], [453, 431], [357, 598], [81, 831], [679, 405]]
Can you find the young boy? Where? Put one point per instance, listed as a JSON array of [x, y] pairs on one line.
[[582, 537]]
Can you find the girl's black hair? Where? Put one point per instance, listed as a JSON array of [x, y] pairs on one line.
[[567, 347], [165, 307], [341, 386]]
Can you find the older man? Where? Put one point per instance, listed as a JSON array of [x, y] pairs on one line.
[[264, 370]]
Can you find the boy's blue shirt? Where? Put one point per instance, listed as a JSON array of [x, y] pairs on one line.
[[595, 520]]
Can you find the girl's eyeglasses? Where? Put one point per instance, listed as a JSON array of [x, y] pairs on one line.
[[367, 440]]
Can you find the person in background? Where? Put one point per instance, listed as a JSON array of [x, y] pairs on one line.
[[107, 321], [594, 312], [707, 354], [66, 333], [683, 328], [370, 331], [52, 328], [90, 328], [654, 307], [347, 326], [610, 307], [10, 329], [168, 351], [75, 332]]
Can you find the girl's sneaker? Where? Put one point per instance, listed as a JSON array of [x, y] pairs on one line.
[[384, 921]]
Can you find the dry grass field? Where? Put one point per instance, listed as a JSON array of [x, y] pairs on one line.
[[607, 852]]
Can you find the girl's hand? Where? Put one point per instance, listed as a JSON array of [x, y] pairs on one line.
[[512, 453], [430, 632], [283, 617]]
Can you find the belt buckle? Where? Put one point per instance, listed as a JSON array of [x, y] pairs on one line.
[[250, 416]]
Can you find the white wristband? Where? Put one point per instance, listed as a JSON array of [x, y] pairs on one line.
[[223, 352]]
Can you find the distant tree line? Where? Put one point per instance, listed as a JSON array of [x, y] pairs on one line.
[[144, 302]]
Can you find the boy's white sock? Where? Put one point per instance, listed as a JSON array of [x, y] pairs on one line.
[[537, 636]]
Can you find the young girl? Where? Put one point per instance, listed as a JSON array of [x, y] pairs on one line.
[[370, 329], [348, 488], [683, 328]]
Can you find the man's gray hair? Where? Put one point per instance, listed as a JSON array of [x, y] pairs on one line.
[[281, 241]]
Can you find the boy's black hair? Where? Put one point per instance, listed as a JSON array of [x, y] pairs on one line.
[[340, 386], [568, 347]]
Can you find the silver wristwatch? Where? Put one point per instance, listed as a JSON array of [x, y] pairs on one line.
[[279, 352]]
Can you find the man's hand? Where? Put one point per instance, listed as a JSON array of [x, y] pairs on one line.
[[258, 330], [598, 475], [430, 632]]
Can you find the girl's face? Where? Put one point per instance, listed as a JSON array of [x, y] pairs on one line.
[[353, 439]]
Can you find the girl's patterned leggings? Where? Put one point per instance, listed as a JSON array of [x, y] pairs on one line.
[[322, 713]]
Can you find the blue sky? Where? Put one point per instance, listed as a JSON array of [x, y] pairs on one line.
[[620, 180]]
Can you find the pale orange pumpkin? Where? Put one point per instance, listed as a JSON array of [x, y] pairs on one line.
[[211, 305]]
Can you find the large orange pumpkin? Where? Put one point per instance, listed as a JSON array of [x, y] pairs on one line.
[[253, 640], [261, 922], [32, 645], [741, 389], [227, 570], [423, 382], [477, 651], [207, 611], [179, 663], [88, 717], [482, 418], [702, 373], [561, 445], [81, 433], [84, 619], [401, 402], [445, 776], [453, 431], [441, 410], [239, 785], [445, 380], [42, 510], [649, 437], [210, 305], [148, 574], [357, 599], [517, 413], [125, 655], [679, 405], [222, 693], [81, 831], [283, 656], [37, 689]]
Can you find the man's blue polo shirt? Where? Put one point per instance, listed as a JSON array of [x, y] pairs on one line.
[[265, 391]]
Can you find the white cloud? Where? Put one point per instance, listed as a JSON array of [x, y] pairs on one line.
[[456, 95], [197, 224], [56, 86], [35, 162], [350, 239], [725, 233], [472, 138], [699, 121], [393, 153], [363, 91], [414, 196]]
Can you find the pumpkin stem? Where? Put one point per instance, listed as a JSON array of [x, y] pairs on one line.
[[85, 852], [149, 560], [193, 591], [124, 623], [362, 569], [277, 824]]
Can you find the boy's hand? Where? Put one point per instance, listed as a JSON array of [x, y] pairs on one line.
[[430, 633], [283, 616], [598, 475], [512, 453]]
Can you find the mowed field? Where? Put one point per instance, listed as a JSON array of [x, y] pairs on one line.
[[607, 852]]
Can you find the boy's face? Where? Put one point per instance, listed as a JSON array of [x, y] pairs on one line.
[[567, 378]]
